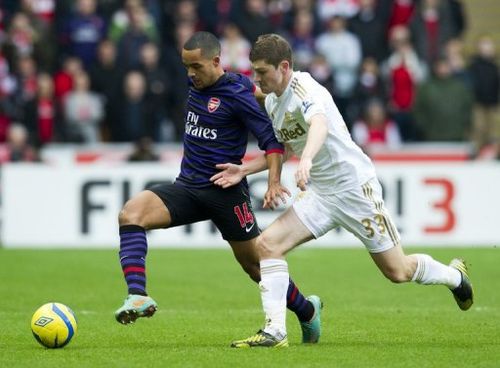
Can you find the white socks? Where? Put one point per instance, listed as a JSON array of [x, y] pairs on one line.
[[431, 272], [273, 288]]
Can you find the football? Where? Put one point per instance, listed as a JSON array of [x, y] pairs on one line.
[[53, 325]]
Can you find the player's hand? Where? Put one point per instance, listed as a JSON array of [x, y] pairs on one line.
[[275, 193], [302, 173], [230, 175]]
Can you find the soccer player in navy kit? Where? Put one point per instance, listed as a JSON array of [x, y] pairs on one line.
[[221, 109]]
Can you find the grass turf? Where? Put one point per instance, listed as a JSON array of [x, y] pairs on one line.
[[206, 301]]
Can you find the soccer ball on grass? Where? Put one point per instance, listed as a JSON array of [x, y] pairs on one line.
[[53, 325]]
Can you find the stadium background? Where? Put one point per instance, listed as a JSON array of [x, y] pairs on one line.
[[90, 91], [66, 152]]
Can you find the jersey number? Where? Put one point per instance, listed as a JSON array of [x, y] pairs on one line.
[[243, 214], [367, 223]]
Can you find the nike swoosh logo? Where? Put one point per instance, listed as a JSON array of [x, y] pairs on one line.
[[247, 229]]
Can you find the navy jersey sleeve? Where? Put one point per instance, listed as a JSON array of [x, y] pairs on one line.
[[256, 120]]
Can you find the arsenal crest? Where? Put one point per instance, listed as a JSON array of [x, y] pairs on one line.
[[213, 104]]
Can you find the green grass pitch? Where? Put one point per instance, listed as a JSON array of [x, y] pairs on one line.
[[205, 301]]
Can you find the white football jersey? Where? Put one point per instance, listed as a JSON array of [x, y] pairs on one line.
[[340, 164]]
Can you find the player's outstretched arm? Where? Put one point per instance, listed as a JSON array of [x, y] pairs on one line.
[[232, 174], [316, 136], [275, 191]]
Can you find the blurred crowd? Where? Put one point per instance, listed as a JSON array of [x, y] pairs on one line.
[[88, 71]]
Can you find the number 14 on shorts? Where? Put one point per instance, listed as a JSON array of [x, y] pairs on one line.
[[245, 217]]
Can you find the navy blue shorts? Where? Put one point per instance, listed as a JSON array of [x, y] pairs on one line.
[[230, 209]]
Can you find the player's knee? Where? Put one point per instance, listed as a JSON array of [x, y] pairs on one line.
[[267, 248], [130, 214], [395, 274]]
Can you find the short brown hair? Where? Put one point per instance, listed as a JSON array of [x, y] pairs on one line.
[[273, 49]]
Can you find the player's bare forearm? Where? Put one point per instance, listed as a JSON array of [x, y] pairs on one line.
[[232, 174], [316, 137], [275, 191], [261, 163], [274, 162], [256, 165]]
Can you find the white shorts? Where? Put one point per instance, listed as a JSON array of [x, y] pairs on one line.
[[361, 211]]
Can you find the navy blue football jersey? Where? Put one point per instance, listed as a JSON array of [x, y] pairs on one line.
[[217, 122]]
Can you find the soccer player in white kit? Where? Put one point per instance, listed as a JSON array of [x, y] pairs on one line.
[[338, 186]]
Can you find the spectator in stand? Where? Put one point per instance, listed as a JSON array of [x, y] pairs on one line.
[[403, 71], [17, 147], [342, 50], [83, 111], [234, 51], [321, 72], [431, 28], [458, 17], [186, 11], [138, 33], [41, 118], [155, 11], [107, 8], [454, 54], [277, 10], [400, 14], [26, 73], [332, 8], [443, 106], [215, 15], [122, 19], [44, 10], [485, 77], [2, 22], [26, 77], [300, 6], [157, 90], [370, 27], [4, 122], [63, 79], [136, 114], [106, 76], [83, 32], [253, 19], [375, 131], [143, 151], [21, 35], [41, 15], [370, 86], [302, 40], [8, 89], [7, 80]]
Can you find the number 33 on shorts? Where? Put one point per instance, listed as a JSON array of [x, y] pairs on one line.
[[382, 225]]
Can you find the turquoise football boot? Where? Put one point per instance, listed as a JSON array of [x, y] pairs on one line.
[[311, 331], [135, 306]]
